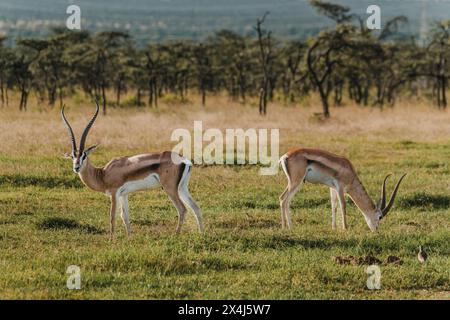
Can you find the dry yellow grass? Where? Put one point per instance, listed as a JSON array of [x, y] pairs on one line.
[[40, 131]]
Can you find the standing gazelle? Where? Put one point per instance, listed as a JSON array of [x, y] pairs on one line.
[[321, 167], [124, 175]]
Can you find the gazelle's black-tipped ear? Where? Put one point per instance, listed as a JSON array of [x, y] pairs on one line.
[[91, 149], [378, 205], [67, 155]]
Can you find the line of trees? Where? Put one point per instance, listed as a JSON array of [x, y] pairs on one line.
[[368, 67]]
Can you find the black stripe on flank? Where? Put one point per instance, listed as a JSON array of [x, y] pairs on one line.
[[143, 171], [153, 166]]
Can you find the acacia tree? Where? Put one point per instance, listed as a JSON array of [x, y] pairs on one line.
[[94, 62], [437, 61], [292, 72], [336, 12], [154, 70], [176, 67], [6, 59], [325, 52], [49, 67], [21, 72], [204, 70], [233, 63], [266, 59], [123, 61], [328, 51], [367, 60]]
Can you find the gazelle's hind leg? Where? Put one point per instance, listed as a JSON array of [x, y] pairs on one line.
[[334, 201], [282, 204], [184, 194], [295, 177], [112, 217], [187, 198], [291, 193], [125, 213], [343, 204], [181, 209]]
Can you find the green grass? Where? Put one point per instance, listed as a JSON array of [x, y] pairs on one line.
[[49, 221]]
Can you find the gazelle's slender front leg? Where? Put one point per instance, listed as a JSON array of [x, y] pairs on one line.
[[343, 204], [113, 211], [334, 200], [125, 215], [282, 206]]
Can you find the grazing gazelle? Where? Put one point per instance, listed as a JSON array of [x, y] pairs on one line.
[[122, 176], [322, 167]]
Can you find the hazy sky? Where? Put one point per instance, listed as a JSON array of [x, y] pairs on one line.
[[160, 19]]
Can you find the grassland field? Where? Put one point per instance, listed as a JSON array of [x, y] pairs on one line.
[[49, 220]]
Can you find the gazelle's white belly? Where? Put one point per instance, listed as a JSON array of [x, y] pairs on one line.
[[319, 177], [150, 181]]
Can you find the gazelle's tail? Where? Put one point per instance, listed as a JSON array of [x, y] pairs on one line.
[[185, 196], [184, 181], [283, 164]]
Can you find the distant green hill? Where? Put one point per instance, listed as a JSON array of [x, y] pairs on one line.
[[159, 20]]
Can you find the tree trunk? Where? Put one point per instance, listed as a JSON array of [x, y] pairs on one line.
[[444, 88], [61, 98], [438, 95], [150, 93], [2, 92], [104, 99], [138, 97], [325, 105], [155, 93], [119, 91]]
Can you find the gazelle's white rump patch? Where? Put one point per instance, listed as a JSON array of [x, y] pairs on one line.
[[282, 162]]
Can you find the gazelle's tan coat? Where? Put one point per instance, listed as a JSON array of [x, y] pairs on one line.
[[125, 175], [337, 172]]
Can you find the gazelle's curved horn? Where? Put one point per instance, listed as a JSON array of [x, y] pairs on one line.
[[385, 210], [88, 127], [69, 128], [382, 202]]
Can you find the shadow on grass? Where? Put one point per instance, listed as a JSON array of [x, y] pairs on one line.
[[66, 224], [277, 242], [302, 203], [367, 246], [157, 223], [170, 265], [19, 180], [425, 201], [256, 223]]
